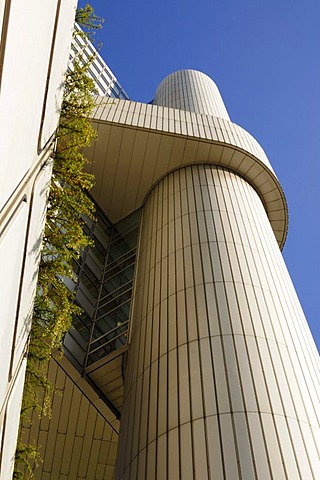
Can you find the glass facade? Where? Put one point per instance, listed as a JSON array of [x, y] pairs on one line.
[[104, 290]]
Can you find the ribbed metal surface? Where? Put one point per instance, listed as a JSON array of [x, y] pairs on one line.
[[223, 375], [105, 81], [76, 442], [145, 142], [192, 91]]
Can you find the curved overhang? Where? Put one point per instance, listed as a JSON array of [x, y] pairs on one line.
[[139, 143]]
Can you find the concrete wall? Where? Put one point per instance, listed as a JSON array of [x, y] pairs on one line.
[[35, 41]]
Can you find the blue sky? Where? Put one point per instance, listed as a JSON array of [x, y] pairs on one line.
[[264, 56]]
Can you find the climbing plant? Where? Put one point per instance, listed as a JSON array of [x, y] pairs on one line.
[[63, 238]]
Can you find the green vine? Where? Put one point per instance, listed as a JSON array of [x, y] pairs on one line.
[[63, 240]]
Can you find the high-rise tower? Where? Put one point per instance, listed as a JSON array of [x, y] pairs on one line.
[[222, 373], [191, 333], [34, 49]]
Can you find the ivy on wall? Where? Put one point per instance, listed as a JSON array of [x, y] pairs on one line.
[[63, 239]]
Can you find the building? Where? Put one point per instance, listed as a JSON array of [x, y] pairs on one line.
[[105, 81], [34, 49], [221, 371], [80, 439], [191, 332]]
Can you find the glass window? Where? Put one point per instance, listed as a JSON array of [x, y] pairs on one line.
[[105, 282]]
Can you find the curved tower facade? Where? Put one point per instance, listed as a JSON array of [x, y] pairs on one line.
[[222, 378], [191, 91], [191, 340], [34, 50]]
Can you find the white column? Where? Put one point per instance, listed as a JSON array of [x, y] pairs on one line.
[[222, 379]]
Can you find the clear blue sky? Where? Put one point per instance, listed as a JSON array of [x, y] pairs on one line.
[[264, 56]]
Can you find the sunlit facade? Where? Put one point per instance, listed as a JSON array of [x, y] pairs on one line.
[[222, 374], [105, 81], [192, 345], [191, 357], [34, 50]]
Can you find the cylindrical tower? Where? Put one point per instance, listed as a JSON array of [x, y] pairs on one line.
[[222, 377], [192, 91]]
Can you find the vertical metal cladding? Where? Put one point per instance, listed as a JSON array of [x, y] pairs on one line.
[[223, 377], [192, 91]]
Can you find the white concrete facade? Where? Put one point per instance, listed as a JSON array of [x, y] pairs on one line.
[[35, 43]]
